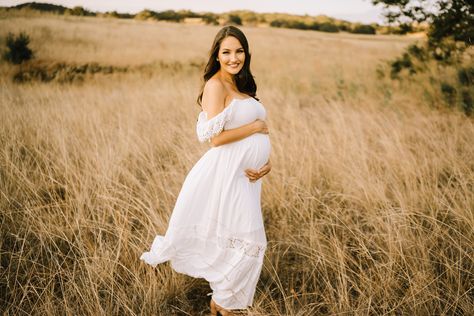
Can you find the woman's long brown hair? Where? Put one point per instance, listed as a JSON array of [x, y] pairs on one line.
[[244, 78]]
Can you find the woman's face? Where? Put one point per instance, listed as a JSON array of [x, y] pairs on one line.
[[231, 55]]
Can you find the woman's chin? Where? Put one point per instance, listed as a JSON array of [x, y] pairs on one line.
[[233, 71]]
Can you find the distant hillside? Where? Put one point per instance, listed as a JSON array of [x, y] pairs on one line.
[[321, 23], [46, 7]]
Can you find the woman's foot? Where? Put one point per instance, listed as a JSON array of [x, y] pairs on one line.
[[218, 309]]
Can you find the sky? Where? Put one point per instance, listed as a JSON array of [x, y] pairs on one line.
[[351, 10]]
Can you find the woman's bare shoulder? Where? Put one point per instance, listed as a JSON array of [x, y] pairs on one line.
[[214, 85], [214, 95]]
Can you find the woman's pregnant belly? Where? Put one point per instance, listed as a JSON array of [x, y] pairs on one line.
[[254, 150], [251, 152]]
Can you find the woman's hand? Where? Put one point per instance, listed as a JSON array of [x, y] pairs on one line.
[[254, 175], [260, 126]]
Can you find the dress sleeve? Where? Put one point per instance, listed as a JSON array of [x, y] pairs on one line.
[[206, 129]]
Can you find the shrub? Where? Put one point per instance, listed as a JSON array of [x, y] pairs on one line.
[[466, 76], [344, 26], [145, 15], [112, 14], [294, 24], [169, 15], [328, 27], [364, 29], [314, 26], [466, 100], [298, 25], [250, 18], [62, 72], [449, 93], [418, 52], [118, 15], [401, 63], [79, 11], [278, 23], [188, 14], [210, 18], [404, 28], [234, 19], [441, 54], [17, 48]]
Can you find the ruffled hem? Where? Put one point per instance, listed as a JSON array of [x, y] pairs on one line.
[[231, 268]]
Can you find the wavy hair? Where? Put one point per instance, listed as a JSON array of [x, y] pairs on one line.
[[244, 78]]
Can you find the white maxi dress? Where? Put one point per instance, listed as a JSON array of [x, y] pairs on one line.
[[216, 231]]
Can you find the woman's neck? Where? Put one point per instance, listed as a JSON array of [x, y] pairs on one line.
[[227, 77]]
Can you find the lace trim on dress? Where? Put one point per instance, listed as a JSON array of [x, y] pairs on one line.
[[248, 248], [206, 129]]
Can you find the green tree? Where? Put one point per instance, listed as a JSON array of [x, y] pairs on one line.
[[447, 18], [17, 48], [450, 33]]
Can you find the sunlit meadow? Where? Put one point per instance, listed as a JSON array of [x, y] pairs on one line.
[[368, 208]]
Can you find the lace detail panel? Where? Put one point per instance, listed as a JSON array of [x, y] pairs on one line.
[[248, 248], [206, 129]]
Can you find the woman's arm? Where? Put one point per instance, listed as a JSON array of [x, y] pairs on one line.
[[235, 134], [213, 104]]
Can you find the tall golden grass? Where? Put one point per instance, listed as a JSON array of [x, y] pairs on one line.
[[368, 208]]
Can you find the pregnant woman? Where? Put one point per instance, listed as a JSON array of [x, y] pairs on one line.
[[216, 229]]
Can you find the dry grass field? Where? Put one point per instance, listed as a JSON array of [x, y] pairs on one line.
[[368, 208]]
